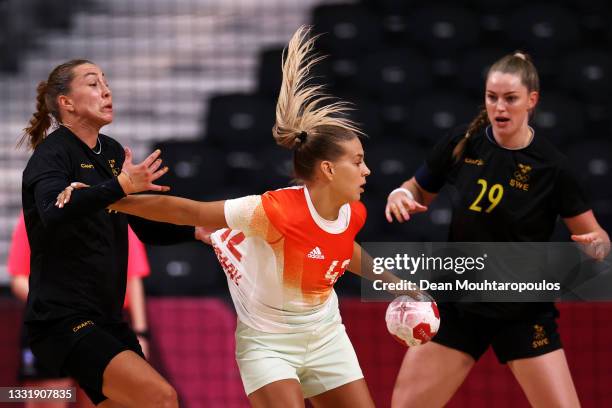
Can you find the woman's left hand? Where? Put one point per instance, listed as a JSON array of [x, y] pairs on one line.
[[596, 243], [64, 197], [203, 234]]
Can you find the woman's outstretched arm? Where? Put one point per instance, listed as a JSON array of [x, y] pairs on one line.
[[175, 210]]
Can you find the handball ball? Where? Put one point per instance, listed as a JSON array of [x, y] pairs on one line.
[[412, 323]]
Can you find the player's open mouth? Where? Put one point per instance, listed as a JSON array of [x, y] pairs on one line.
[[501, 119]]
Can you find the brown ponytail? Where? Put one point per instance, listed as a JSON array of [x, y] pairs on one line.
[[40, 121], [480, 121], [47, 92]]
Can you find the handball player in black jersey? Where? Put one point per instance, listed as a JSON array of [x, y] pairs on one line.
[[480, 162], [79, 249]]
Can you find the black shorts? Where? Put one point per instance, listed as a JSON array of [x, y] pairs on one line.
[[511, 339], [29, 367], [81, 349]]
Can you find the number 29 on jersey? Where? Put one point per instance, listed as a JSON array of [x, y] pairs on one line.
[[494, 195]]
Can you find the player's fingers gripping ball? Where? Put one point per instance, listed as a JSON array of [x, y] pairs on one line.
[[412, 323]]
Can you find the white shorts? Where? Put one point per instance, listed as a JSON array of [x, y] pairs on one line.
[[320, 360]]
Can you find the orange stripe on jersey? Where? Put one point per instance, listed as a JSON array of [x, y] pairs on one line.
[[313, 258], [262, 226]]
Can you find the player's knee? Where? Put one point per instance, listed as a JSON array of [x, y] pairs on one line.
[[401, 397], [167, 397], [411, 393], [397, 399], [161, 395]]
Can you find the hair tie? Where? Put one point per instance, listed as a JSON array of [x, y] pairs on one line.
[[521, 55], [302, 136]]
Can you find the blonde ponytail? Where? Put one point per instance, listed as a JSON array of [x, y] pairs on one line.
[[298, 111]]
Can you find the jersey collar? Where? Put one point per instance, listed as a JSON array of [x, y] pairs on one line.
[[338, 226], [489, 134]]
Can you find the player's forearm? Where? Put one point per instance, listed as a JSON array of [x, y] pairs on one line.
[[175, 210], [411, 186], [158, 208], [421, 196], [137, 306], [82, 202], [20, 287]]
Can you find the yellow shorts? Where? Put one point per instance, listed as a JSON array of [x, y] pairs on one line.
[[320, 359]]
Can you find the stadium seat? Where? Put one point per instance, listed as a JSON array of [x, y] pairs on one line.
[[439, 112], [377, 228], [277, 171], [543, 29], [393, 15], [365, 112], [433, 225], [196, 170], [559, 118], [391, 163], [243, 168], [340, 73], [239, 120], [394, 74], [430, 226], [474, 67], [390, 6], [443, 30], [488, 5], [588, 73], [269, 73], [395, 116], [347, 29], [593, 16], [591, 162], [189, 269]]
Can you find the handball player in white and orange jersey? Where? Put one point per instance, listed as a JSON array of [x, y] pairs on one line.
[[283, 251]]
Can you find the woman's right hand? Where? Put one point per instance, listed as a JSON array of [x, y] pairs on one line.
[[400, 205], [135, 178], [64, 196]]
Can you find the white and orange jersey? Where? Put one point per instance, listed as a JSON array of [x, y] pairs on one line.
[[282, 258]]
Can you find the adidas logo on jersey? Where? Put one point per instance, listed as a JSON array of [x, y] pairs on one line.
[[316, 254]]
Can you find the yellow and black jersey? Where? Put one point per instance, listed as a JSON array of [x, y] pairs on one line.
[[501, 195]]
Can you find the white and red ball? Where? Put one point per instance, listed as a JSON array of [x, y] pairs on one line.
[[412, 323]]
